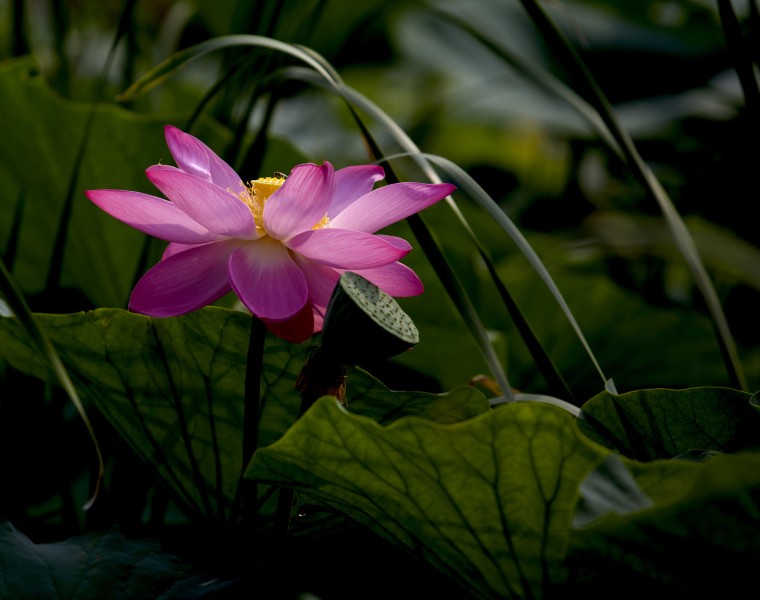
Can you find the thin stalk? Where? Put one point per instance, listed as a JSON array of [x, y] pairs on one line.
[[261, 63], [742, 59], [56, 262], [321, 375], [754, 31], [582, 77], [251, 418], [215, 89], [16, 302], [254, 155], [435, 256], [19, 41], [281, 527], [11, 247]]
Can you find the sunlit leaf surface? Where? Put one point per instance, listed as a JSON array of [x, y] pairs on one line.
[[488, 501]]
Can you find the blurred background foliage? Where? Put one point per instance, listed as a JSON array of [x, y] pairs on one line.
[[431, 66]]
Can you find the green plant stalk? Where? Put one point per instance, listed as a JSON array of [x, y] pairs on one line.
[[553, 86], [321, 375], [754, 31], [551, 375], [443, 269], [11, 247], [579, 73], [166, 69], [253, 157], [15, 300], [215, 89], [251, 420], [261, 66], [742, 59], [19, 41], [56, 263], [459, 297]]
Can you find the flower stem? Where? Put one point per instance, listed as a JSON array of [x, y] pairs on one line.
[[320, 376], [251, 418]]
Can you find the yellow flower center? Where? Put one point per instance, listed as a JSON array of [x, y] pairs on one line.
[[257, 192]]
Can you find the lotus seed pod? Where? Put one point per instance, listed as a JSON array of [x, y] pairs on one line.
[[364, 324]]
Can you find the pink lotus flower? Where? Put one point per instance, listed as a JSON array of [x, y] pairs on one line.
[[279, 243]]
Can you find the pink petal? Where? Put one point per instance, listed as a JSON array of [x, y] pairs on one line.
[[297, 329], [184, 282], [320, 279], [318, 313], [175, 248], [196, 158], [344, 249], [394, 279], [213, 207], [267, 280], [151, 215], [389, 204], [352, 183], [301, 202], [396, 242]]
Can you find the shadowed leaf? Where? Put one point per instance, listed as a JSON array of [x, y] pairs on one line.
[[97, 565], [660, 423], [697, 541], [371, 398]]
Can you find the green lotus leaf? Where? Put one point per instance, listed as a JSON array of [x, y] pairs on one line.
[[488, 501], [96, 565], [696, 540], [173, 389], [661, 423]]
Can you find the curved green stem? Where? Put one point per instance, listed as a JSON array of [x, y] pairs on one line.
[[589, 89]]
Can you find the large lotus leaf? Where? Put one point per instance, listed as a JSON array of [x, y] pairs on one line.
[[618, 485], [173, 388], [488, 501], [699, 540], [610, 487], [97, 565], [369, 397], [660, 423]]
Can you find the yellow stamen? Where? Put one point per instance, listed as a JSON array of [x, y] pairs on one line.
[[266, 186], [322, 222], [256, 194]]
